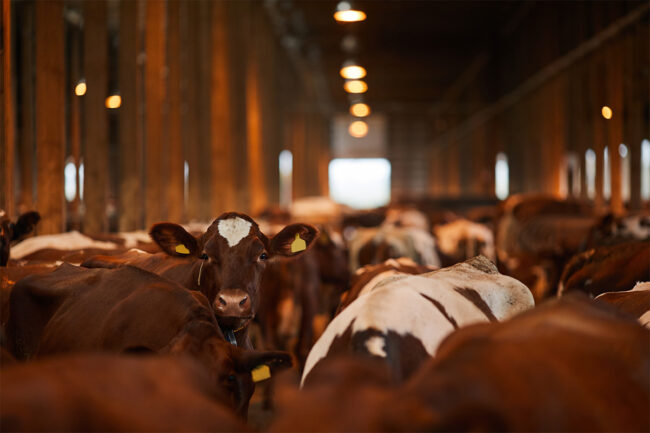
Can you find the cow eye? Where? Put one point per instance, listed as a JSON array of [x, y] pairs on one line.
[[204, 256], [264, 256]]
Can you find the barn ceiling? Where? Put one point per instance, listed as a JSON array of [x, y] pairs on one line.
[[413, 50]]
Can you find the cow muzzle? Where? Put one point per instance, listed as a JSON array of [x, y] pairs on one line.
[[233, 303]]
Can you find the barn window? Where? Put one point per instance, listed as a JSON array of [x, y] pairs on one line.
[[607, 178], [285, 161], [625, 171], [645, 169], [361, 183], [186, 182], [70, 175], [570, 176], [590, 173], [501, 176], [81, 180]]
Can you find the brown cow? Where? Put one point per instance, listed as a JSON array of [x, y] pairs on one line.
[[102, 392], [127, 309], [603, 269], [225, 264], [11, 232], [567, 365], [635, 302]]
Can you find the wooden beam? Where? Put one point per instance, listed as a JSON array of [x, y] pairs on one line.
[[26, 135], [50, 119], [155, 121], [95, 148], [8, 111], [175, 184], [131, 139], [614, 88]]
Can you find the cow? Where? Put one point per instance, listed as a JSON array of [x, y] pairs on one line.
[[463, 239], [225, 263], [404, 318], [570, 364], [12, 232], [612, 229], [611, 268], [366, 278], [635, 302], [107, 392], [127, 310]]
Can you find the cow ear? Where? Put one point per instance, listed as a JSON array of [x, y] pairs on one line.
[[293, 240], [275, 360], [174, 240], [25, 224]]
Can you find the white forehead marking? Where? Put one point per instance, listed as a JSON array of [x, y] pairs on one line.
[[234, 230]]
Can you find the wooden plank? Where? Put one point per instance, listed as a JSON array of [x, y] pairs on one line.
[[191, 131], [131, 195], [8, 111], [175, 182], [204, 162], [95, 149], [614, 82], [75, 128], [222, 170], [155, 121], [26, 133], [50, 119]]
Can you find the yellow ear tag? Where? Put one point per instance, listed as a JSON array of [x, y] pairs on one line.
[[261, 372], [182, 249], [298, 244]]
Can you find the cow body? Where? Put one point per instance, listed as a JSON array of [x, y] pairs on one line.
[[112, 393], [462, 239], [12, 232], [404, 318], [635, 302], [611, 268], [127, 310]]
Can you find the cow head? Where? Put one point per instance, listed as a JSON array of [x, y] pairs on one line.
[[232, 369], [231, 257], [11, 232]]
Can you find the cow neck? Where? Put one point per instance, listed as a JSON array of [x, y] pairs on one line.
[[236, 337]]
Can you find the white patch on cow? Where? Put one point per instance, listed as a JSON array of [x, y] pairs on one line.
[[62, 241], [137, 251], [2, 213], [396, 304], [376, 280], [131, 239], [642, 286], [449, 236], [234, 230], [376, 346]]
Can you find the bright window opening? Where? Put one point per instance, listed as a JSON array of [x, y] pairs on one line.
[[70, 175], [501, 177], [645, 169], [607, 175], [624, 153], [186, 182], [570, 177], [81, 180], [361, 183], [285, 161], [590, 173]]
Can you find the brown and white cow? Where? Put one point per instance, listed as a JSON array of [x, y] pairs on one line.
[[404, 318], [75, 309], [104, 392], [225, 263], [11, 232], [611, 268], [463, 239]]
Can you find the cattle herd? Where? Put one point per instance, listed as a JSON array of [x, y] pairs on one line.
[[531, 314]]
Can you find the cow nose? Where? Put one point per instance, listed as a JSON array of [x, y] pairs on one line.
[[233, 302]]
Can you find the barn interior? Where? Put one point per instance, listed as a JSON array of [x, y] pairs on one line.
[[407, 136]]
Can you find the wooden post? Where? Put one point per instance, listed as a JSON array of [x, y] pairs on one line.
[[175, 184], [8, 111], [50, 120], [191, 131], [131, 196], [220, 117], [155, 122], [614, 68], [27, 132], [95, 149]]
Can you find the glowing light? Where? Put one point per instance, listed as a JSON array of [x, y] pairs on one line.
[[70, 175], [358, 129], [645, 169], [353, 72], [80, 88], [360, 110], [502, 177], [361, 183], [355, 86], [590, 173], [622, 150], [606, 112], [113, 101], [349, 16]]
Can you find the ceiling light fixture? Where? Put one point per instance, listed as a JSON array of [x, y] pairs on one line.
[[346, 14], [355, 86], [358, 129], [360, 109], [352, 71]]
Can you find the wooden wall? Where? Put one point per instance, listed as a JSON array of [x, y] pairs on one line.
[[204, 85], [538, 108]]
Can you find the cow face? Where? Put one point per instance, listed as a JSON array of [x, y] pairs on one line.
[[233, 253], [11, 232], [231, 368]]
